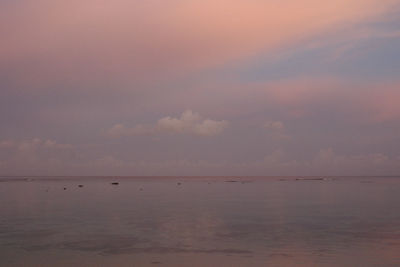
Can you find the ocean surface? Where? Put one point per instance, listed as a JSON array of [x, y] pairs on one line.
[[199, 221]]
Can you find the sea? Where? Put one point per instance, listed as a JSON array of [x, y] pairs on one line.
[[199, 221]]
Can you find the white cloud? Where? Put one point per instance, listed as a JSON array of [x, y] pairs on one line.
[[188, 123]]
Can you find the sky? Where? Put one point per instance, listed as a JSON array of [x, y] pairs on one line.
[[199, 87]]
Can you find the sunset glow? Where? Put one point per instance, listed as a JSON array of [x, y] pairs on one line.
[[95, 87]]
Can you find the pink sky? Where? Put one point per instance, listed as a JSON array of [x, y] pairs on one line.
[[199, 87]]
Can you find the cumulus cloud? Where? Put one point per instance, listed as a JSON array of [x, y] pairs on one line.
[[188, 123]]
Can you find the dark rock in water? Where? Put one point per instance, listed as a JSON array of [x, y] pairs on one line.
[[115, 183], [64, 188], [179, 183], [81, 185]]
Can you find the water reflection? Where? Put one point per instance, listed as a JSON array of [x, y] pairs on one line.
[[275, 221]]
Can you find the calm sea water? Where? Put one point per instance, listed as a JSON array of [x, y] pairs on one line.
[[203, 221]]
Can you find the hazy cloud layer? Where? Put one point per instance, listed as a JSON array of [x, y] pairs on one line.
[[274, 125], [87, 42], [35, 157]]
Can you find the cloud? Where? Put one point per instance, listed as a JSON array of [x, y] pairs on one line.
[[35, 156], [305, 96], [274, 125], [188, 123], [326, 160], [384, 103], [45, 42], [276, 130], [6, 144], [119, 130], [278, 162], [64, 63], [33, 144]]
